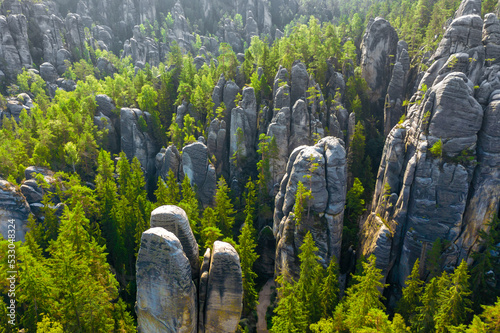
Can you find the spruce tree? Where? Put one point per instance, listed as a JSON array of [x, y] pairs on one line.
[[364, 295], [311, 275], [246, 250], [329, 293], [410, 300], [290, 314], [190, 205], [224, 208], [455, 303]]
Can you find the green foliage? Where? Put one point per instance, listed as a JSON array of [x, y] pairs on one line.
[[209, 231], [355, 206], [410, 300], [329, 293], [437, 149], [309, 285], [290, 315], [224, 208], [190, 205], [246, 249], [302, 196], [167, 193], [364, 296]]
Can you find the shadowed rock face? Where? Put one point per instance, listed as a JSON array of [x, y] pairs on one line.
[[224, 290], [378, 50], [137, 141], [174, 219], [424, 193], [166, 294], [325, 216], [13, 206]]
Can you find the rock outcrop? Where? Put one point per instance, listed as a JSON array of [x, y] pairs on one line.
[[196, 165], [324, 214], [14, 211], [166, 294], [438, 177], [378, 50], [168, 271], [243, 132], [136, 140], [224, 290]]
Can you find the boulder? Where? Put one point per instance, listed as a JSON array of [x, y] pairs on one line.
[[196, 166]]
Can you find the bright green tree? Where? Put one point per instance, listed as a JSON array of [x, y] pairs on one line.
[[412, 291], [329, 293], [224, 208], [364, 295], [190, 205], [246, 250], [290, 314]]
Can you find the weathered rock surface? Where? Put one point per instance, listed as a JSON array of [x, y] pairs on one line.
[[136, 141], [378, 48], [451, 192], [224, 290], [243, 132], [175, 220], [196, 166], [14, 211], [325, 218], [166, 294]]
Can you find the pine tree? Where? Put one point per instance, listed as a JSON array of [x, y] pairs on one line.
[[83, 282], [224, 208], [190, 205], [301, 198], [408, 304], [246, 250], [455, 302], [167, 192], [424, 321], [364, 295], [309, 284], [290, 314], [209, 232], [329, 293]]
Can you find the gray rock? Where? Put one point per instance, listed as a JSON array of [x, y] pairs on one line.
[[175, 220], [216, 143], [299, 129], [464, 33], [300, 82], [18, 26], [280, 130], [196, 166], [48, 72], [166, 160], [136, 141], [393, 107], [378, 48], [224, 290], [242, 142], [324, 215], [469, 7], [11, 62], [166, 294], [14, 212], [204, 273]]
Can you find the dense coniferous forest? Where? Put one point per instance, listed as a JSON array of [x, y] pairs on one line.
[[309, 139]]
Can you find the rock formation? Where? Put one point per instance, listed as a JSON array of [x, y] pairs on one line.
[[166, 294], [175, 220], [224, 290], [13, 207], [439, 169], [168, 271], [323, 216], [193, 163], [136, 140], [378, 50]]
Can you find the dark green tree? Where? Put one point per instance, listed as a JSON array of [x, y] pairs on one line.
[[224, 208]]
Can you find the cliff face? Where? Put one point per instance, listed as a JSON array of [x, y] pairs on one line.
[[438, 177]]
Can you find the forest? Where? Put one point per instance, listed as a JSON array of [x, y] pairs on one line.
[[154, 111]]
